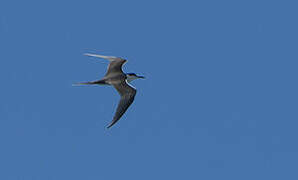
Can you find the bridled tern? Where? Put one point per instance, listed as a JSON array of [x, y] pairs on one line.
[[120, 81]]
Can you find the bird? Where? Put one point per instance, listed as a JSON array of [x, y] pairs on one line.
[[119, 80]]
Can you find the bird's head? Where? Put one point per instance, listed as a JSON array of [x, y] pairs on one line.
[[132, 76]]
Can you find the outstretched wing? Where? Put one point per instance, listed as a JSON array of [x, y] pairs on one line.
[[127, 96], [115, 66]]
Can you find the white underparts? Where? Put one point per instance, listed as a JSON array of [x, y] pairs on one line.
[[129, 84]]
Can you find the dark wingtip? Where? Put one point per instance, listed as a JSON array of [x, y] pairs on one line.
[[110, 125]]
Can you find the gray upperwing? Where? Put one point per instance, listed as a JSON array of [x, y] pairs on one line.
[[115, 66], [127, 97]]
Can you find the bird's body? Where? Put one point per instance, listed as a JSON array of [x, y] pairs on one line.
[[120, 81]]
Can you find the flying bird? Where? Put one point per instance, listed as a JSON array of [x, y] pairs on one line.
[[120, 81]]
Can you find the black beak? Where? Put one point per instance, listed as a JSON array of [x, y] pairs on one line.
[[141, 77]]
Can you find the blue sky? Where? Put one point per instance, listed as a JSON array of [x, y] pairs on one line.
[[219, 101]]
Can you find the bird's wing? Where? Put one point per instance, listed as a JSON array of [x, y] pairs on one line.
[[127, 96], [115, 66]]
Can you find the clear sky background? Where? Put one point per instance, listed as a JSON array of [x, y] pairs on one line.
[[219, 101]]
